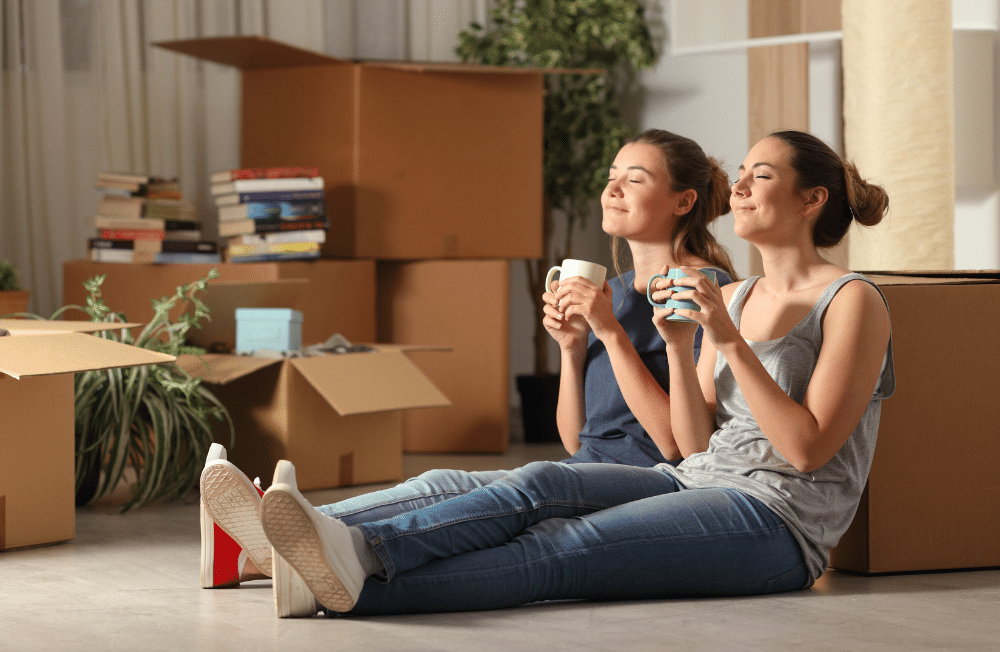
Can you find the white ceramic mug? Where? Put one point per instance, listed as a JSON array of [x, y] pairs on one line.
[[591, 271]]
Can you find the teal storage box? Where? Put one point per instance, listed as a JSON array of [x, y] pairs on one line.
[[275, 329]]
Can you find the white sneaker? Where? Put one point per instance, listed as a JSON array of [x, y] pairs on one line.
[[231, 552], [320, 548], [233, 503], [292, 598]]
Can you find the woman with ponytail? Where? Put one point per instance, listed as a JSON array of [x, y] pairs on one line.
[[776, 423], [662, 194]]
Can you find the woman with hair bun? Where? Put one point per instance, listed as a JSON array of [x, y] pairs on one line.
[[776, 423]]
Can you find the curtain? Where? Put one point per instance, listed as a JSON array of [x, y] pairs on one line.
[[83, 91]]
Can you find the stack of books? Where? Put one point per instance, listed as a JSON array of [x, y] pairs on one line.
[[275, 213], [144, 219]]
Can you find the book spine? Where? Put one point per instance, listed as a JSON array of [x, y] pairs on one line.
[[268, 185], [263, 258], [187, 257], [265, 173], [129, 245], [273, 248], [282, 195], [302, 224], [132, 234], [181, 225], [122, 256], [143, 223], [193, 246], [311, 235]]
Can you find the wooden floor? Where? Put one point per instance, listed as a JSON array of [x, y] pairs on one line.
[[130, 582]]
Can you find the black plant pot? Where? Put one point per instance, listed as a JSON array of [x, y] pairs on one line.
[[539, 396]]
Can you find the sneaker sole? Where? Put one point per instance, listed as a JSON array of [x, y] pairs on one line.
[[292, 597], [296, 539], [233, 505]]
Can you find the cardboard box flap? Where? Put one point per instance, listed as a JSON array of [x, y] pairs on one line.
[[934, 277], [224, 297], [258, 52], [358, 383], [220, 368], [48, 327], [43, 355], [433, 66], [409, 348], [248, 52]]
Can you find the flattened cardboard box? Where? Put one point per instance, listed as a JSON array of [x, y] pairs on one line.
[[384, 135], [338, 418], [334, 296], [933, 495], [37, 361]]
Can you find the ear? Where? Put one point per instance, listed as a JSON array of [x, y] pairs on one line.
[[814, 199], [686, 202]]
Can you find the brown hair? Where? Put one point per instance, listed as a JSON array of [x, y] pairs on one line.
[[849, 196], [691, 169]]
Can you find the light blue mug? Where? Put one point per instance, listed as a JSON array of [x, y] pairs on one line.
[[674, 274]]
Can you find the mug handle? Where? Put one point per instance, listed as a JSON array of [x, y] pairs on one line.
[[649, 288], [550, 276]]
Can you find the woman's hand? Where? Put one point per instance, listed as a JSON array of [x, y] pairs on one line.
[[577, 298], [568, 333], [713, 316]]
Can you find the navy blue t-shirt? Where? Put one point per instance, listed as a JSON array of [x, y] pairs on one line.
[[611, 432]]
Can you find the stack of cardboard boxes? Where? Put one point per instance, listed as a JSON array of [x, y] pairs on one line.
[[433, 177]]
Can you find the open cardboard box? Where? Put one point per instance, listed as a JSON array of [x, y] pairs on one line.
[[37, 361], [337, 417], [934, 490], [384, 135]]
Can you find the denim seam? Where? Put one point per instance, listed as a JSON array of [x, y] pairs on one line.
[[467, 519], [451, 494], [771, 582]]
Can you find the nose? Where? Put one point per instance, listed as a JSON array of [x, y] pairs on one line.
[[739, 187], [613, 189]]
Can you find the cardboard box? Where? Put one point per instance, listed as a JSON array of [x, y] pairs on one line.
[[338, 418], [464, 306], [334, 296], [934, 489], [275, 329], [37, 361], [387, 137]]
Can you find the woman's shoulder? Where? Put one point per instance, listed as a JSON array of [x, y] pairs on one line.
[[858, 293]]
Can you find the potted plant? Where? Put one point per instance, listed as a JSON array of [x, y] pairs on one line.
[[155, 419], [583, 130], [13, 299]]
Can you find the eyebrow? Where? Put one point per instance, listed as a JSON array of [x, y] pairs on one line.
[[632, 167], [757, 165]]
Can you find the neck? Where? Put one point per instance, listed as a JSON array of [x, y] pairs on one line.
[[791, 267], [649, 259]]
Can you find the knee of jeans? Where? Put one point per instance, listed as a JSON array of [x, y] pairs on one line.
[[442, 481], [535, 472]]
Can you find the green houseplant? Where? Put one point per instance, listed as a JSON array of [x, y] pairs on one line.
[[583, 124], [155, 419], [13, 299]]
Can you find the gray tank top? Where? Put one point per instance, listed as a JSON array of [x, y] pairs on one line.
[[819, 506]]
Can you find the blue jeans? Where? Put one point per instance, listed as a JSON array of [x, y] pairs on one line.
[[552, 531]]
